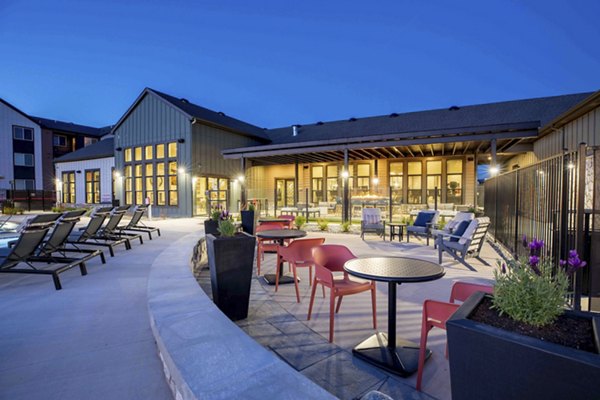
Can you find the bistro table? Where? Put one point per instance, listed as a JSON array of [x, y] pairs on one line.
[[280, 235], [395, 355]]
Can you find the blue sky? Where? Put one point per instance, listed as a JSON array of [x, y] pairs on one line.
[[276, 63]]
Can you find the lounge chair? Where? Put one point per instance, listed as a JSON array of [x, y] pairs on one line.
[[88, 235], [110, 231], [372, 222], [25, 247], [136, 224], [423, 224], [464, 243], [54, 248]]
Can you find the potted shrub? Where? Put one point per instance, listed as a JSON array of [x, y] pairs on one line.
[[248, 219], [300, 221], [520, 343], [230, 259], [211, 225]]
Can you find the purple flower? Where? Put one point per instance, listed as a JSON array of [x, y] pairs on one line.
[[533, 263], [535, 247], [573, 263]]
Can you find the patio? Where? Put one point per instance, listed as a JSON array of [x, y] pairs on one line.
[[93, 339], [279, 323]]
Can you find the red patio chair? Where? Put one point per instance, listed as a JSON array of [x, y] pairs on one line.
[[331, 258], [266, 244], [290, 219], [436, 313], [299, 254]]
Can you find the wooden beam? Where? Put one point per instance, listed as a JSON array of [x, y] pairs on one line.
[[421, 150], [466, 147], [431, 148], [409, 151], [397, 151]]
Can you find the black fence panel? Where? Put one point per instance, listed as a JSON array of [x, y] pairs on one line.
[[32, 200]]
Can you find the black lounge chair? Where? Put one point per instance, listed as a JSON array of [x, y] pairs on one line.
[[111, 230], [25, 247], [54, 249], [88, 236], [136, 224]]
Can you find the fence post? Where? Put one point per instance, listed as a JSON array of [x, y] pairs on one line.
[[564, 207], [517, 202], [580, 237], [496, 209]]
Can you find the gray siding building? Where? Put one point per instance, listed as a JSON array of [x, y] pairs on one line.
[[168, 154]]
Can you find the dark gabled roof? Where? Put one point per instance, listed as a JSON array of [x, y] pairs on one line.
[[100, 149], [541, 110], [6, 103], [62, 126], [201, 114], [579, 109], [217, 118]]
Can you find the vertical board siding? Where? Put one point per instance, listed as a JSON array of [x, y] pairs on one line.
[[155, 121], [105, 166], [585, 129]]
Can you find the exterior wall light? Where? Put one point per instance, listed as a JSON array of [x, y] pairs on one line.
[[376, 181], [494, 170], [241, 178], [181, 170], [345, 174], [117, 174], [570, 165]]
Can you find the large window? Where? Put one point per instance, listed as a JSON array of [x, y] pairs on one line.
[[454, 179], [151, 173], [396, 182], [415, 170], [434, 180], [24, 159], [22, 133], [317, 184], [92, 186], [332, 183], [68, 187], [363, 179], [88, 140]]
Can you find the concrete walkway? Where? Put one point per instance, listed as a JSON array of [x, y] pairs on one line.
[[90, 340]]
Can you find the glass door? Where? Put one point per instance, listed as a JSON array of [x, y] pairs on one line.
[[218, 193], [285, 189]]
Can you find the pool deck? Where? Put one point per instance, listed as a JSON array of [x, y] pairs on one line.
[[93, 338]]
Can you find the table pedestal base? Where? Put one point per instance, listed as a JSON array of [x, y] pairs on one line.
[[402, 360], [283, 280]]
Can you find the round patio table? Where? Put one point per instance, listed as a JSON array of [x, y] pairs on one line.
[[396, 355], [280, 235]]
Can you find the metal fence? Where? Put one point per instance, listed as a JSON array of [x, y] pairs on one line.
[[552, 200], [31, 200]]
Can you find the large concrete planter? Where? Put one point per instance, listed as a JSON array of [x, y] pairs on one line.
[[230, 260], [211, 227], [492, 363], [248, 222]]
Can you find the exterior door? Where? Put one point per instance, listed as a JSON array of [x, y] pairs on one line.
[[284, 192]]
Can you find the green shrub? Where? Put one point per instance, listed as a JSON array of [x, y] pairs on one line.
[[300, 221], [530, 289], [227, 227], [323, 224], [346, 226], [10, 211]]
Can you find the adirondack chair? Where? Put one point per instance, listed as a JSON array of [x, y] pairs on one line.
[[467, 243], [372, 222], [426, 219], [452, 225]]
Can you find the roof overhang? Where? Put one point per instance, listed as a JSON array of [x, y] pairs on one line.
[[449, 142], [573, 113]]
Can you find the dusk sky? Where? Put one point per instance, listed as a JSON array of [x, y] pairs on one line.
[[277, 63]]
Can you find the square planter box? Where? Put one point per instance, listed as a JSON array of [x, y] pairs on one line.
[[211, 227], [230, 260], [492, 363]]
